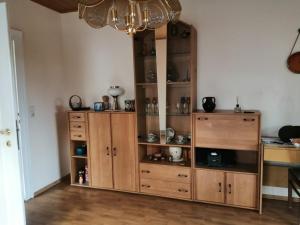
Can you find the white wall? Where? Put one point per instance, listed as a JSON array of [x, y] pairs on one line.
[[242, 51], [44, 82], [95, 59]]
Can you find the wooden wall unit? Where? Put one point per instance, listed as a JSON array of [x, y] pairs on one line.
[[118, 151]]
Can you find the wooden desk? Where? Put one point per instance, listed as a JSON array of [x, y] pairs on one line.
[[277, 159]]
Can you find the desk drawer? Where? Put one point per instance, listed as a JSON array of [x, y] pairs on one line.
[[168, 189], [165, 173], [77, 126], [78, 117], [282, 155], [78, 136]]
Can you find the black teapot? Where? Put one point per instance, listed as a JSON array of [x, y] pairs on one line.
[[209, 104]]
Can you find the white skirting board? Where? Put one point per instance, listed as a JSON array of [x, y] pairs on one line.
[[277, 191]]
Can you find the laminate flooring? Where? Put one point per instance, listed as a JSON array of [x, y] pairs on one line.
[[67, 205]]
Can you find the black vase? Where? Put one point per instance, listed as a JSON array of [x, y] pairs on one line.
[[209, 104]]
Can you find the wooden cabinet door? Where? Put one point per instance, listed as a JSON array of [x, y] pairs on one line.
[[123, 146], [227, 131], [241, 189], [210, 186], [100, 150]]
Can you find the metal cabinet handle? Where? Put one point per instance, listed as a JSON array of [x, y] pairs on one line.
[[115, 151], [145, 171], [229, 190], [107, 151], [249, 119], [6, 132], [220, 187], [146, 186], [183, 190], [202, 118], [182, 175]]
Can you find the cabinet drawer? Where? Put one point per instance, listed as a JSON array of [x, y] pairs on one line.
[[227, 131], [79, 117], [78, 136], [165, 173], [77, 126], [168, 189]]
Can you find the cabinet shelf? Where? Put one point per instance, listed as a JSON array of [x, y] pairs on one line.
[[81, 185], [165, 145], [183, 163], [243, 168], [170, 84], [168, 114], [79, 156]]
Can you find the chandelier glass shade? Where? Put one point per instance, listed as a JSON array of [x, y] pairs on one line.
[[130, 16]]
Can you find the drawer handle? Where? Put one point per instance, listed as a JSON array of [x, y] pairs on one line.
[[145, 171], [146, 186], [182, 175], [202, 118], [220, 187], [78, 135], [76, 117], [183, 190], [249, 119], [229, 187], [77, 126]]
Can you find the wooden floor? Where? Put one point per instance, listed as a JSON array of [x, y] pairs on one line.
[[66, 205]]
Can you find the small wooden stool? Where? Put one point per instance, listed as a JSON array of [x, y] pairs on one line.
[[294, 183]]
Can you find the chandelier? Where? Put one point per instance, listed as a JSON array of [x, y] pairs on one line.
[[130, 16]]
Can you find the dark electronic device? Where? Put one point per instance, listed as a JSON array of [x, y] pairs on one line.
[[215, 159]]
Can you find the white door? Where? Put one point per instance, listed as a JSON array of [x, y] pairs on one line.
[[11, 199], [21, 110]]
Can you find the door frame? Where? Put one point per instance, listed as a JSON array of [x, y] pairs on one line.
[[19, 79]]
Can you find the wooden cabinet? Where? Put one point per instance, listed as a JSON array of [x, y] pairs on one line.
[[123, 148], [100, 150], [210, 186], [112, 150], [241, 189], [227, 130], [163, 180], [79, 136], [236, 189]]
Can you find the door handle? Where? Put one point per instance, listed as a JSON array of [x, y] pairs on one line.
[[220, 187], [115, 151], [5, 132], [107, 151], [182, 175], [229, 187], [249, 119]]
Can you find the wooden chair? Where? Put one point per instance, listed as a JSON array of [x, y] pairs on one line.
[[294, 183]]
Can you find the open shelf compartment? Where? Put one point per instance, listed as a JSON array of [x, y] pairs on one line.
[[227, 160]]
